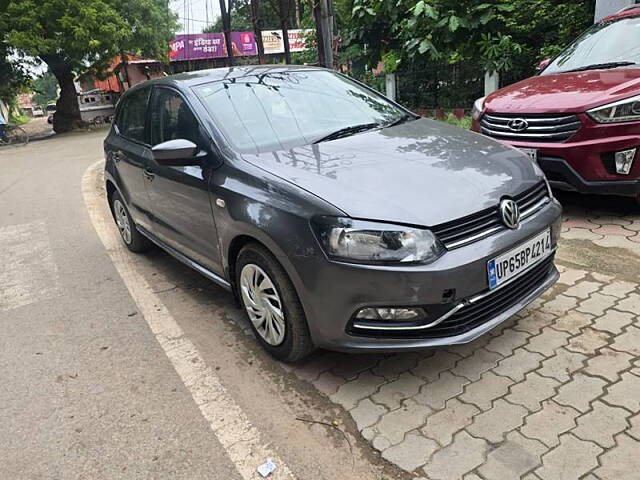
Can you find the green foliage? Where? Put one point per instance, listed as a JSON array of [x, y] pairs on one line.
[[464, 122], [86, 34], [498, 51], [45, 87], [501, 34]]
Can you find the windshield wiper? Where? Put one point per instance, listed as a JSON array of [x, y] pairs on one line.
[[405, 117], [600, 66], [346, 131]]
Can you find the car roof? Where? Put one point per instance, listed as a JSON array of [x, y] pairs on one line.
[[198, 77], [630, 11]]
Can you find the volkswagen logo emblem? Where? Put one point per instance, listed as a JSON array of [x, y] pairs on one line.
[[510, 213], [518, 124]]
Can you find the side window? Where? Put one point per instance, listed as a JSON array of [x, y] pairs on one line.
[[171, 118], [131, 119]]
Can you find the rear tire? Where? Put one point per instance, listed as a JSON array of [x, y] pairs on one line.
[[132, 238], [271, 304]]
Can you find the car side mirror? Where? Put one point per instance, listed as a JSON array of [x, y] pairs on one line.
[[176, 153], [543, 64]]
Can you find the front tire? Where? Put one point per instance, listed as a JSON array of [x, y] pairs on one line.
[[132, 238], [272, 305]]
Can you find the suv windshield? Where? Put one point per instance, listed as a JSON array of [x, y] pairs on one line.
[[279, 110], [605, 45]]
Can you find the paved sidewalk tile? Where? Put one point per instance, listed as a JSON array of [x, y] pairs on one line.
[[483, 392], [549, 423], [601, 424], [442, 425], [552, 393], [412, 453], [621, 462], [625, 393], [580, 392], [571, 459], [458, 458], [394, 425], [493, 424], [513, 458], [533, 391], [436, 394]]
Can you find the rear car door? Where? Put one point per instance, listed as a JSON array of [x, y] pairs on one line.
[[130, 151], [180, 200]]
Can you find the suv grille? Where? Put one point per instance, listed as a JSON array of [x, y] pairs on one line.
[[529, 127], [463, 231]]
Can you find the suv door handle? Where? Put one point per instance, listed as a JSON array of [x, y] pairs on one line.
[[148, 174], [117, 156]]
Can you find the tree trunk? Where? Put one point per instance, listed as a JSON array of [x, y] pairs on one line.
[[225, 13], [284, 25], [256, 21], [67, 115]]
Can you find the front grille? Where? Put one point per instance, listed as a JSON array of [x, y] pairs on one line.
[[463, 231], [539, 127], [478, 312]]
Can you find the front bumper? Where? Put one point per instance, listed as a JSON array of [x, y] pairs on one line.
[[331, 292], [582, 163]]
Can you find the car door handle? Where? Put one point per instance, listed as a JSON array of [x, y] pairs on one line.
[[117, 156], [148, 174]]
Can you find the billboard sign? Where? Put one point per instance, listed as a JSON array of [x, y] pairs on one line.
[[197, 46], [273, 40]]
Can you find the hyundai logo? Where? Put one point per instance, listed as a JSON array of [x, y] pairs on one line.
[[510, 213], [518, 124]]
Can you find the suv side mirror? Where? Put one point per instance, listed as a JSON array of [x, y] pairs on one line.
[[543, 64], [176, 153]]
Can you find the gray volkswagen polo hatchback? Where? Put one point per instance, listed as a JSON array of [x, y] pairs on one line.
[[337, 218]]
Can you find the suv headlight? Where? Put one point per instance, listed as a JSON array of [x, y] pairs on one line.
[[627, 110], [359, 241], [478, 108]]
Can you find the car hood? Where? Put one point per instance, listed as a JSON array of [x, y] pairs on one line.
[[566, 92], [421, 172]]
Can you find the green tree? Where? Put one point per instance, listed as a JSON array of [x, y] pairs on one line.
[[78, 36], [501, 34], [45, 87]]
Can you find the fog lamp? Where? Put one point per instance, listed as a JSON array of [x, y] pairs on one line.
[[624, 161], [392, 314]]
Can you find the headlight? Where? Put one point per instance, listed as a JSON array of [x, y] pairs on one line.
[[627, 110], [478, 108], [372, 242]]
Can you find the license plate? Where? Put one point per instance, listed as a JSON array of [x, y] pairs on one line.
[[532, 153], [512, 263]]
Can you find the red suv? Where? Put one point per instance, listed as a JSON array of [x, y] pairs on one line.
[[580, 117]]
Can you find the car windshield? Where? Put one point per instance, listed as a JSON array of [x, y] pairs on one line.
[[605, 45], [270, 111]]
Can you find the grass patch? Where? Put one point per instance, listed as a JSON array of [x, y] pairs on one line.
[[464, 122], [19, 119]]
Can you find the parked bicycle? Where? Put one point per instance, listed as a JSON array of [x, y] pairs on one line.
[[14, 135]]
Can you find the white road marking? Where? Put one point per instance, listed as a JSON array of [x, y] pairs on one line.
[[28, 271], [240, 439]]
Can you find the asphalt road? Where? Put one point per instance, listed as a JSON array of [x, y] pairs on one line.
[[93, 387]]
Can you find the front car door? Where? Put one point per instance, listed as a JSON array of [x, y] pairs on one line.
[[181, 206], [130, 151]]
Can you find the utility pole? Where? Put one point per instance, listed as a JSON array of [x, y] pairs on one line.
[[226, 25], [323, 14]]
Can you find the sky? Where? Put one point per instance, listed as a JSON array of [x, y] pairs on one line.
[[193, 13]]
